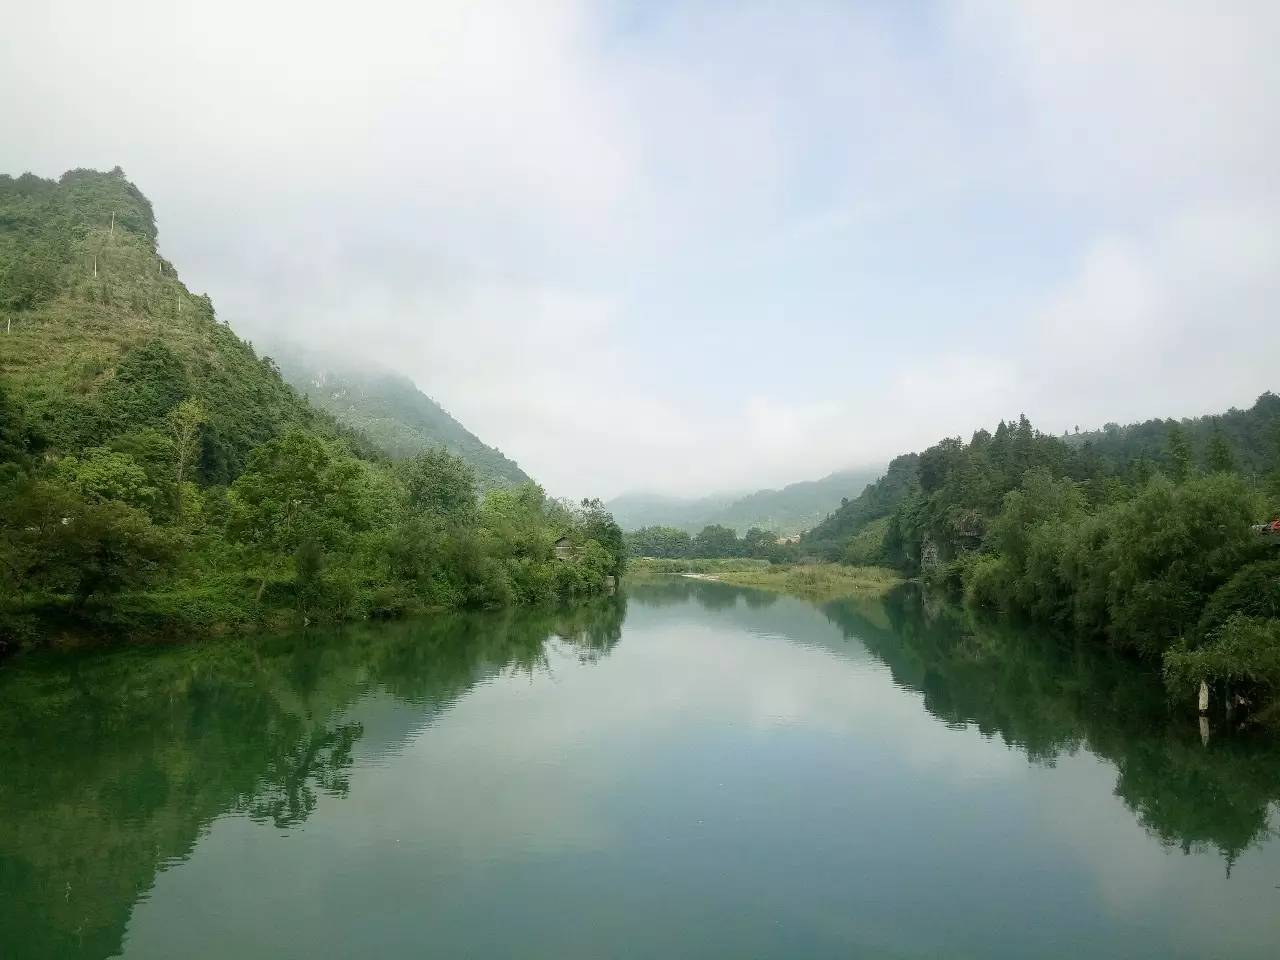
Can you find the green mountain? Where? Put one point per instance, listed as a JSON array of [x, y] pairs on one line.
[[391, 411], [101, 337], [158, 478], [788, 511]]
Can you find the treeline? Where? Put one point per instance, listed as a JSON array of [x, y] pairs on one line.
[[156, 477], [121, 541], [1149, 549], [712, 542]]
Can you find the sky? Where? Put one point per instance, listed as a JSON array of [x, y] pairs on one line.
[[686, 247]]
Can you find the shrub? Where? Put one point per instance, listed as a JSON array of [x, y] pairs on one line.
[[987, 581], [1243, 652]]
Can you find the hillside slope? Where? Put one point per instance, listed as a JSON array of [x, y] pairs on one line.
[[797, 506], [786, 511], [391, 411], [101, 337], [636, 510], [159, 479]]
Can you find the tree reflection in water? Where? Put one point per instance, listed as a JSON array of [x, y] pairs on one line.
[[114, 763]]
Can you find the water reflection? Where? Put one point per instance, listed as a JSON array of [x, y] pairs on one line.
[[1051, 696], [742, 757], [111, 765]]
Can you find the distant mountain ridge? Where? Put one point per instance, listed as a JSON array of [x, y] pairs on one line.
[[390, 411], [786, 511]]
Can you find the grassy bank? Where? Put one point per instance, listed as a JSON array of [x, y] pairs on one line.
[[815, 581]]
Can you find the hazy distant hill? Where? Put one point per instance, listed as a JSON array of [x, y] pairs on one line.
[[390, 410], [796, 507], [636, 510]]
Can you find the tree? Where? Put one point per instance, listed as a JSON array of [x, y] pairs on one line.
[[184, 422], [1219, 459], [441, 486], [1179, 454], [1167, 550], [297, 487], [598, 525], [61, 543], [149, 382], [104, 474], [17, 439], [716, 541], [665, 542]]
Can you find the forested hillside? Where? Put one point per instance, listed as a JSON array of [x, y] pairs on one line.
[[101, 334], [157, 476], [1245, 436], [784, 512], [391, 411], [1139, 534]]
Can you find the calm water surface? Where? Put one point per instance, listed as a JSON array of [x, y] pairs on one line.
[[692, 770]]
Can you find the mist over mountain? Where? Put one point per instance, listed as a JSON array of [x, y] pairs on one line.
[[389, 409]]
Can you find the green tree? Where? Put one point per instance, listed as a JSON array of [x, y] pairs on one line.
[[599, 527], [1170, 548], [716, 541], [101, 473], [184, 422], [441, 485], [1179, 454], [295, 488], [149, 382], [658, 541], [17, 438], [1219, 458], [60, 543]]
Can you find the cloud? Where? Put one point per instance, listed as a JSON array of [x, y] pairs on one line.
[[1175, 324], [696, 247]]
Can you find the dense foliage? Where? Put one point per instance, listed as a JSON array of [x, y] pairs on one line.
[[156, 476], [1107, 534]]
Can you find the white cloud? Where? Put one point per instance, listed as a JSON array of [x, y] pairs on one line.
[[703, 247]]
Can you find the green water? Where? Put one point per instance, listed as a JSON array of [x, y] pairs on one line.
[[691, 770]]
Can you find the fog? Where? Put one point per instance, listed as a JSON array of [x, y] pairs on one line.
[[689, 247]]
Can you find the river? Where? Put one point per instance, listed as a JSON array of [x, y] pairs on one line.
[[686, 770]]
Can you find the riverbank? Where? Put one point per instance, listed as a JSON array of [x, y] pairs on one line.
[[813, 581]]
